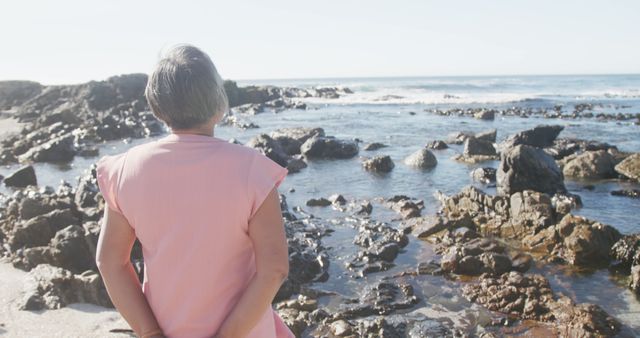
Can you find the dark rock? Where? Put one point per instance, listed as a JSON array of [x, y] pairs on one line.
[[382, 164], [270, 148], [526, 168], [15, 93], [374, 146], [437, 145], [474, 146], [423, 159], [626, 252], [318, 202], [485, 115], [633, 193], [59, 149], [337, 199], [291, 139], [328, 147], [405, 206], [22, 177], [539, 137]]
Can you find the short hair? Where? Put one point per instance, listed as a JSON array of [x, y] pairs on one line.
[[185, 89]]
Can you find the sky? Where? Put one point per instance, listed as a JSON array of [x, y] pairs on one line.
[[72, 41]]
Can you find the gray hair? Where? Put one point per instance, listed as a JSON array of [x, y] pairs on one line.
[[185, 89]]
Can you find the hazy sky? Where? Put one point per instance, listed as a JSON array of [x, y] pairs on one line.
[[68, 41]]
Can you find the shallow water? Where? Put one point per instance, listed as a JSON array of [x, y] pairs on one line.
[[404, 133]]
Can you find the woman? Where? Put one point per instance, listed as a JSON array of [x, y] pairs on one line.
[[206, 212]]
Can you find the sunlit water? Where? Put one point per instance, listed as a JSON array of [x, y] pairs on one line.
[[405, 127]]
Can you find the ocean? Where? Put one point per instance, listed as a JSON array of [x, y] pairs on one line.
[[402, 113]]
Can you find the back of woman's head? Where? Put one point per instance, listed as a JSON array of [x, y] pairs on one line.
[[185, 89]]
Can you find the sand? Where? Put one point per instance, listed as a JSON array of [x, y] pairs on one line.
[[76, 320]]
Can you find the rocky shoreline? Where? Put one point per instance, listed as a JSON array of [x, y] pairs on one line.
[[486, 243]]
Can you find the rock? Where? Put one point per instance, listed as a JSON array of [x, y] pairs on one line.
[[22, 177], [530, 212], [49, 287], [485, 115], [583, 320], [563, 203], [475, 257], [437, 145], [295, 164], [574, 240], [15, 93], [382, 298], [337, 199], [87, 190], [488, 135], [427, 226], [59, 149], [634, 284], [34, 232], [539, 137], [406, 207], [527, 168], [270, 148], [291, 139], [379, 245], [633, 193], [626, 252], [591, 165], [423, 159], [382, 164], [474, 146], [630, 167], [484, 175], [318, 202], [328, 147], [341, 328], [72, 250], [374, 146]]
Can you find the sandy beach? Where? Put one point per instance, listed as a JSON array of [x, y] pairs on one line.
[[75, 320]]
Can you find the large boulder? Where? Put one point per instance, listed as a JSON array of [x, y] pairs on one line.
[[270, 148], [328, 147], [474, 146], [630, 167], [22, 177], [15, 93], [381, 164], [59, 149], [49, 287], [527, 168], [291, 139], [591, 165], [539, 137], [423, 159], [575, 240]]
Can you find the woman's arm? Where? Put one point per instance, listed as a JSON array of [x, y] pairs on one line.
[[113, 259], [272, 267]]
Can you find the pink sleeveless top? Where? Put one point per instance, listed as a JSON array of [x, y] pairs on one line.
[[189, 198]]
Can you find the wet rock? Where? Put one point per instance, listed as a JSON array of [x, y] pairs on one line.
[[59, 149], [87, 189], [475, 257], [633, 193], [374, 146], [634, 284], [341, 328], [291, 139], [574, 240], [405, 206], [437, 145], [49, 287], [22, 177], [526, 168], [530, 212], [318, 202], [423, 159], [337, 199], [563, 147], [565, 202], [583, 320], [522, 296], [381, 298], [382, 164], [591, 165], [380, 245], [484, 175], [295, 164], [539, 137], [626, 252], [630, 167], [329, 147]]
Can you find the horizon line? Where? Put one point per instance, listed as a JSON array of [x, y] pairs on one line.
[[375, 77]]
